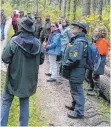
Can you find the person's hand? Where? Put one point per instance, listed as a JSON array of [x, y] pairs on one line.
[[46, 47], [65, 66], [44, 43]]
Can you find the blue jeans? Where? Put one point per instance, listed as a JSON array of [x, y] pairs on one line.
[[2, 31], [6, 104]]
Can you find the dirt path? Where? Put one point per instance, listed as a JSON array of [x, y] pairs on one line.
[[54, 96]]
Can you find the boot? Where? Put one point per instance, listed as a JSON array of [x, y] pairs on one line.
[[51, 80], [47, 74], [74, 115], [91, 93], [70, 107]]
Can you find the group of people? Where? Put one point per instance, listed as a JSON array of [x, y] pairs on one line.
[[25, 52]]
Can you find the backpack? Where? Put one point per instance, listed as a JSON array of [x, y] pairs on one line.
[[65, 71], [93, 58], [91, 54]]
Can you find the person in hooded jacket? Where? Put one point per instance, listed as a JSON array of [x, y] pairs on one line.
[[23, 54]]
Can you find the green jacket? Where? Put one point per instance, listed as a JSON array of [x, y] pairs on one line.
[[23, 54], [39, 26]]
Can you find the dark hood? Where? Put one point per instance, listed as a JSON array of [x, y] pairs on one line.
[[29, 43]]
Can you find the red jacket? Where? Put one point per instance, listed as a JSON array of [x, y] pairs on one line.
[[14, 19]]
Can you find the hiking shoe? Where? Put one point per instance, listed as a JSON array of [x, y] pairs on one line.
[[92, 93], [74, 115], [69, 107], [47, 74], [89, 89], [51, 80]]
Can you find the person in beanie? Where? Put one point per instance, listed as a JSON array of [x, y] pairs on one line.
[[23, 54], [76, 64]]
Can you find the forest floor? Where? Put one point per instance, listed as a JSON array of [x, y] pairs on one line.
[[54, 97], [51, 99]]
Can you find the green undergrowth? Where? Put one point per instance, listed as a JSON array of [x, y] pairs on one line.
[[10, 33]]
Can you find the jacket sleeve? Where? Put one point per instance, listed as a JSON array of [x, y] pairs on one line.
[[55, 41], [8, 52], [75, 54], [42, 55], [69, 33]]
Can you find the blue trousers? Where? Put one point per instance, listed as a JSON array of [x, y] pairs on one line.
[[77, 77], [6, 104], [77, 93], [2, 31]]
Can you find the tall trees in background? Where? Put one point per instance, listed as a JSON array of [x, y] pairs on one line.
[[66, 6]]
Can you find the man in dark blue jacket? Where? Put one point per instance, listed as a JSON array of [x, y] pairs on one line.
[[76, 63]]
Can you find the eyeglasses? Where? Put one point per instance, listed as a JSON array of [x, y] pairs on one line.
[[53, 26]]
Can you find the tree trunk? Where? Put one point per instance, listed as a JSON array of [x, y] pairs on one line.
[[93, 5], [45, 1], [86, 7], [74, 9], [68, 7], [105, 86], [50, 2], [100, 4], [60, 4], [104, 3], [36, 6], [107, 2], [64, 8]]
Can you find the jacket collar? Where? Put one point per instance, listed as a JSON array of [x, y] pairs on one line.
[[79, 35]]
